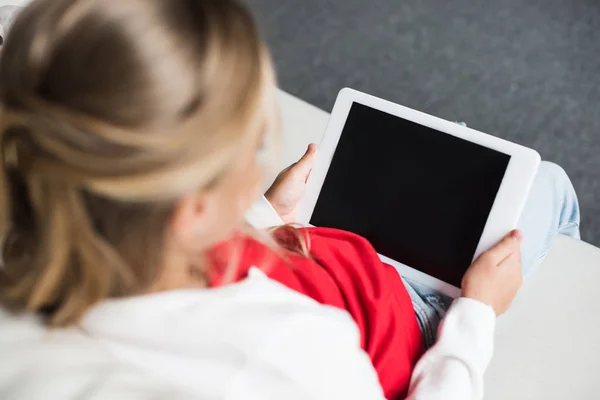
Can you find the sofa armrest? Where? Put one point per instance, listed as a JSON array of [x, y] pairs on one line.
[[546, 344]]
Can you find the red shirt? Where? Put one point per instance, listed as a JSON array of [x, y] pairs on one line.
[[346, 272]]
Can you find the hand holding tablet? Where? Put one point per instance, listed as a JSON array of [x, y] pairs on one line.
[[496, 276], [430, 195]]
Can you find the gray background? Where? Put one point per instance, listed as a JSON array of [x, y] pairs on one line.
[[524, 70]]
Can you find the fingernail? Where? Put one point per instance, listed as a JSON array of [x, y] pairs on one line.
[[516, 234]]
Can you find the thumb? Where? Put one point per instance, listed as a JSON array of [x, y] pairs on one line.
[[506, 247], [306, 162]]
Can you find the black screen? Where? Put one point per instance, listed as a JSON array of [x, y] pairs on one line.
[[420, 196]]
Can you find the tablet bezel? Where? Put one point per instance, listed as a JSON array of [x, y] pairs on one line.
[[507, 207]]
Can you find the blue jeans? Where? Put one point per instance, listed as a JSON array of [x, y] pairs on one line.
[[551, 209]]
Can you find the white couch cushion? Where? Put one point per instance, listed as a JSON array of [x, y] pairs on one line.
[[546, 345]]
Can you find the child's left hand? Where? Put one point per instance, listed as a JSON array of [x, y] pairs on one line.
[[288, 188]]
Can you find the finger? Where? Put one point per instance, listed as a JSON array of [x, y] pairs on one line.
[[507, 246], [305, 164], [513, 261], [284, 171], [308, 157]]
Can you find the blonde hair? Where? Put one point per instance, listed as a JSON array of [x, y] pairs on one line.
[[111, 112]]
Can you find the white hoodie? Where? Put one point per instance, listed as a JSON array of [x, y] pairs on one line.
[[252, 340]]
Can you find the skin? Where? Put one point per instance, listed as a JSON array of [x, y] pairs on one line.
[[288, 188], [202, 220], [496, 276]]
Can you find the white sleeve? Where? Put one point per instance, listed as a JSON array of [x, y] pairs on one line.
[[453, 368], [262, 215]]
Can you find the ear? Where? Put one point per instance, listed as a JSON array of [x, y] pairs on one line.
[[187, 219]]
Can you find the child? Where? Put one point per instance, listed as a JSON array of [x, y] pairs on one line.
[[134, 138]]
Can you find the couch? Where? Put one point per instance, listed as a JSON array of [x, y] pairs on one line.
[[545, 346]]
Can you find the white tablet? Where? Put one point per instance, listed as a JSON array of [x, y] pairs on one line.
[[430, 195]]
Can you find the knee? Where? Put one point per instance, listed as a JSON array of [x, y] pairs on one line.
[[553, 171], [556, 176], [563, 189]]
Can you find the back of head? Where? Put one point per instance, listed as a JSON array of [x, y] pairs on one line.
[[110, 112]]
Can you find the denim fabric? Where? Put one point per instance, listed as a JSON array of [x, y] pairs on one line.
[[551, 209]]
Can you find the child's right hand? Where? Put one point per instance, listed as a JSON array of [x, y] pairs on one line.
[[496, 276]]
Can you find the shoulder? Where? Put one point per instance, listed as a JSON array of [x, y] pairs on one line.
[[255, 339], [64, 364]]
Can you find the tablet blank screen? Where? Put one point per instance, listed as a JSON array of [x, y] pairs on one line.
[[420, 196]]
